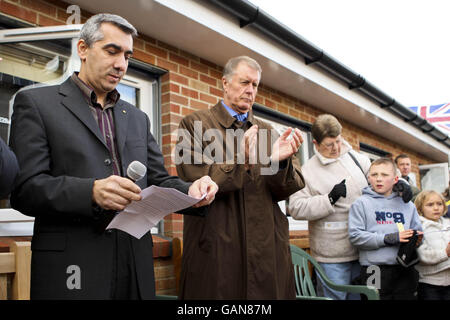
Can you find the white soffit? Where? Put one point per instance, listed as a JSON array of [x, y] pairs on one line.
[[206, 31]]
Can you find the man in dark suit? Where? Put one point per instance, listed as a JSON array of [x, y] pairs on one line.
[[74, 142]]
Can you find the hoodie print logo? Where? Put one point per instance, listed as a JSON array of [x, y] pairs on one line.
[[389, 217]]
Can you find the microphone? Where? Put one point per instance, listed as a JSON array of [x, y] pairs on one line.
[[136, 171]]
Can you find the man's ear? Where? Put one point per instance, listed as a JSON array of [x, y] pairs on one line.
[[224, 84], [82, 49], [396, 179]]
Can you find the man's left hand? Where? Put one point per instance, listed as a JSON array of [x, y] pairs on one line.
[[201, 186], [284, 148]]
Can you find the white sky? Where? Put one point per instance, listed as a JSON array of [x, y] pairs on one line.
[[401, 47]]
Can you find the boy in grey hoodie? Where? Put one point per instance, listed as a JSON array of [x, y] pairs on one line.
[[379, 221]]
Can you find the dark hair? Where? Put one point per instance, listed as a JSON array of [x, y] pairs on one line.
[[325, 125], [401, 156]]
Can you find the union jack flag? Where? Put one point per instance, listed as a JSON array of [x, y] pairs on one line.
[[438, 115]]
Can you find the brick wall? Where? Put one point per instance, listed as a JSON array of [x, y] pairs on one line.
[[191, 83]]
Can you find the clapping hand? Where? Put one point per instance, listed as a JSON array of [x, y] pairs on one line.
[[283, 148]]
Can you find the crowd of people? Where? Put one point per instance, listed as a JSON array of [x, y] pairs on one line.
[[236, 240], [363, 214]]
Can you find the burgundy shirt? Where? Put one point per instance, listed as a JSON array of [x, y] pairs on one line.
[[104, 117]]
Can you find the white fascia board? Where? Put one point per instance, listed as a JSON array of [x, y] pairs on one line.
[[280, 58]]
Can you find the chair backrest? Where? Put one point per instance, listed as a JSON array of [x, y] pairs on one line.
[[303, 282], [304, 285]]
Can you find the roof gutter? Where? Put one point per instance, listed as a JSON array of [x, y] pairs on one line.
[[249, 14]]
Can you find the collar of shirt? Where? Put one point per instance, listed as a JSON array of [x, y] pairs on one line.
[[232, 112], [91, 98]]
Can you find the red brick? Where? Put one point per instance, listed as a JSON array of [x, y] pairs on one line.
[[185, 111], [58, 3], [270, 104], [178, 59], [276, 98], [189, 93], [207, 98], [174, 88], [215, 74], [208, 80], [62, 15], [165, 98], [165, 87], [179, 79], [259, 100], [156, 51], [174, 108], [199, 67], [46, 21], [18, 12], [144, 57], [167, 139], [39, 6], [166, 65], [283, 109], [178, 99], [216, 92], [198, 105], [165, 108], [189, 72], [138, 44]]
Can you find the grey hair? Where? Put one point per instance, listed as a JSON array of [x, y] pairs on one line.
[[232, 64], [91, 32]]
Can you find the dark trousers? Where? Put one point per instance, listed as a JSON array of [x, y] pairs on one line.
[[396, 282], [124, 282], [432, 292]]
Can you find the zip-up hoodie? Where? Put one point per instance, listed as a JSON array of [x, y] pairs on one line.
[[374, 215], [434, 266]]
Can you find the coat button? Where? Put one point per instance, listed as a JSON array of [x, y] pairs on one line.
[[107, 162]]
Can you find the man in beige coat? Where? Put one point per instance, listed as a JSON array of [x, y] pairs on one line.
[[240, 250]]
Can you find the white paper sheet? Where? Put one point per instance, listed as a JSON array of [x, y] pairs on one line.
[[156, 203]]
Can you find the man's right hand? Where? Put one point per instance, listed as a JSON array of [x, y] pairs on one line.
[[115, 193], [248, 146]]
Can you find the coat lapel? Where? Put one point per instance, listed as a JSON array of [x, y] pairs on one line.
[[76, 103], [121, 125]]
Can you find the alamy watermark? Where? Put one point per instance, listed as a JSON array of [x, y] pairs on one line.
[[74, 279], [212, 147]]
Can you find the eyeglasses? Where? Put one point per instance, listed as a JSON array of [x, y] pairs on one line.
[[331, 144]]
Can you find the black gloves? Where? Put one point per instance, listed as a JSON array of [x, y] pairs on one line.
[[339, 190], [404, 190], [391, 239]]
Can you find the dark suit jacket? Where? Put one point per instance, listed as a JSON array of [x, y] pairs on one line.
[[61, 152], [9, 168]]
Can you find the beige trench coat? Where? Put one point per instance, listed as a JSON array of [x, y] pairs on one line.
[[240, 250]]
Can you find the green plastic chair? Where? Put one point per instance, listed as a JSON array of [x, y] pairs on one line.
[[305, 287]]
